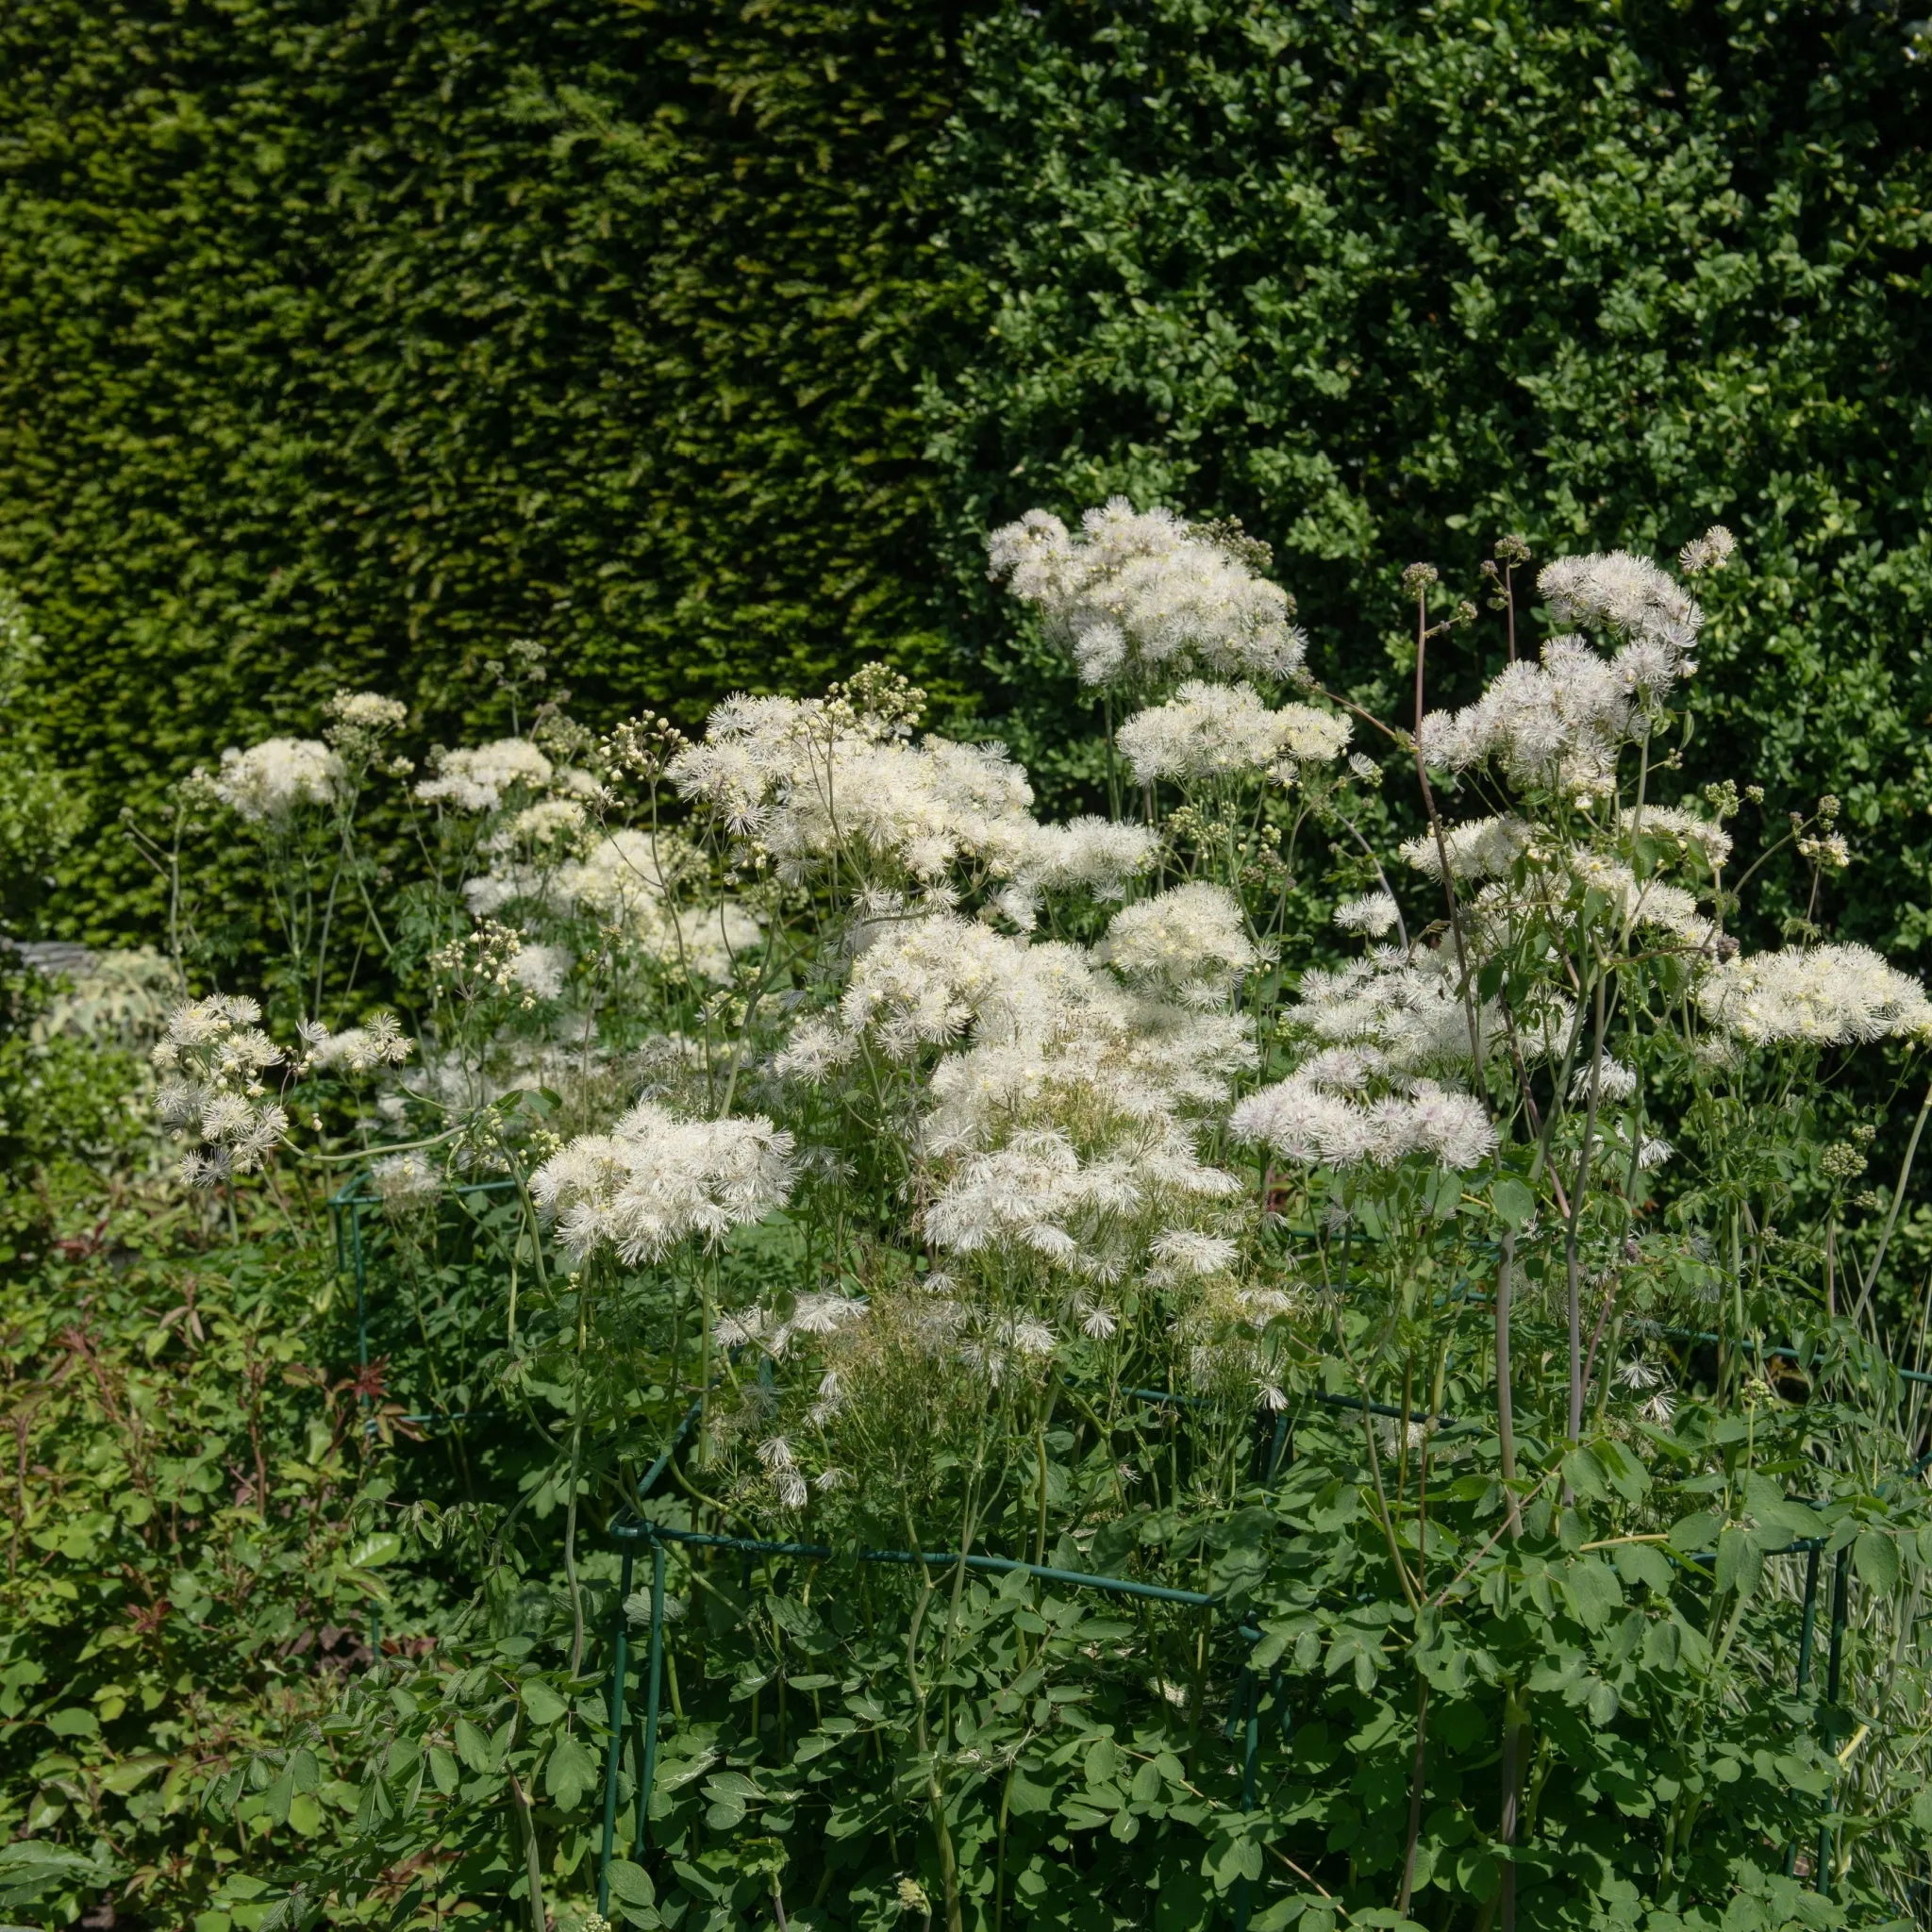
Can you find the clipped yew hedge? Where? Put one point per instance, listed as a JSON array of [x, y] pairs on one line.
[[353, 339], [345, 336]]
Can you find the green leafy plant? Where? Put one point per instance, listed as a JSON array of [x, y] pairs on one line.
[[1134, 1409], [191, 1557]]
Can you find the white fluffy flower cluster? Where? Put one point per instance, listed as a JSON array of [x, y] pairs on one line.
[[1712, 551], [1501, 913], [1190, 942], [804, 780], [1814, 995], [1683, 834], [1059, 1124], [1037, 1193], [1132, 1072], [1135, 594], [774, 1453], [363, 1049], [1488, 849], [922, 981], [1651, 902], [1372, 915], [209, 1089], [1225, 730], [548, 825], [405, 1181], [1306, 1119], [656, 1180], [541, 970], [1391, 1013], [268, 781], [1629, 597], [366, 711], [1614, 1080], [997, 1343], [1091, 855], [622, 878], [1480, 848], [1558, 723], [801, 781], [1561, 723], [474, 778], [622, 882], [1040, 1015], [820, 1314]]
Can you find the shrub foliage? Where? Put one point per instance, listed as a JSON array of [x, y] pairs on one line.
[[369, 336], [686, 337]]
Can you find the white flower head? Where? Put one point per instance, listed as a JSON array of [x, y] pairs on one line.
[[1098, 1321], [379, 1042], [1135, 592], [1831, 995], [1480, 848], [269, 781], [656, 1180], [1639, 1374], [1183, 1253], [366, 711], [549, 825], [542, 971], [210, 1089], [1614, 1081], [1560, 723], [1208, 730], [1302, 1123], [1709, 552], [1191, 940], [405, 1181], [1372, 915], [476, 779]]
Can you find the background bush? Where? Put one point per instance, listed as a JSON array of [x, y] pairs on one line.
[[349, 342], [1356, 274], [343, 338]]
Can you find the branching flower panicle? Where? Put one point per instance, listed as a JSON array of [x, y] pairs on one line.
[[478, 779], [270, 781], [1135, 593], [209, 1089], [656, 1180]]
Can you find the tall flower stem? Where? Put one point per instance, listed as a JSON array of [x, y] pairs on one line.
[[935, 1796], [1571, 1256], [1898, 1194], [1515, 1734], [1418, 1765], [577, 1466], [1421, 772], [1506, 1406]]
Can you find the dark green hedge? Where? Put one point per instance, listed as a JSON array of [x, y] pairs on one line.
[[1386, 280], [344, 340]]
